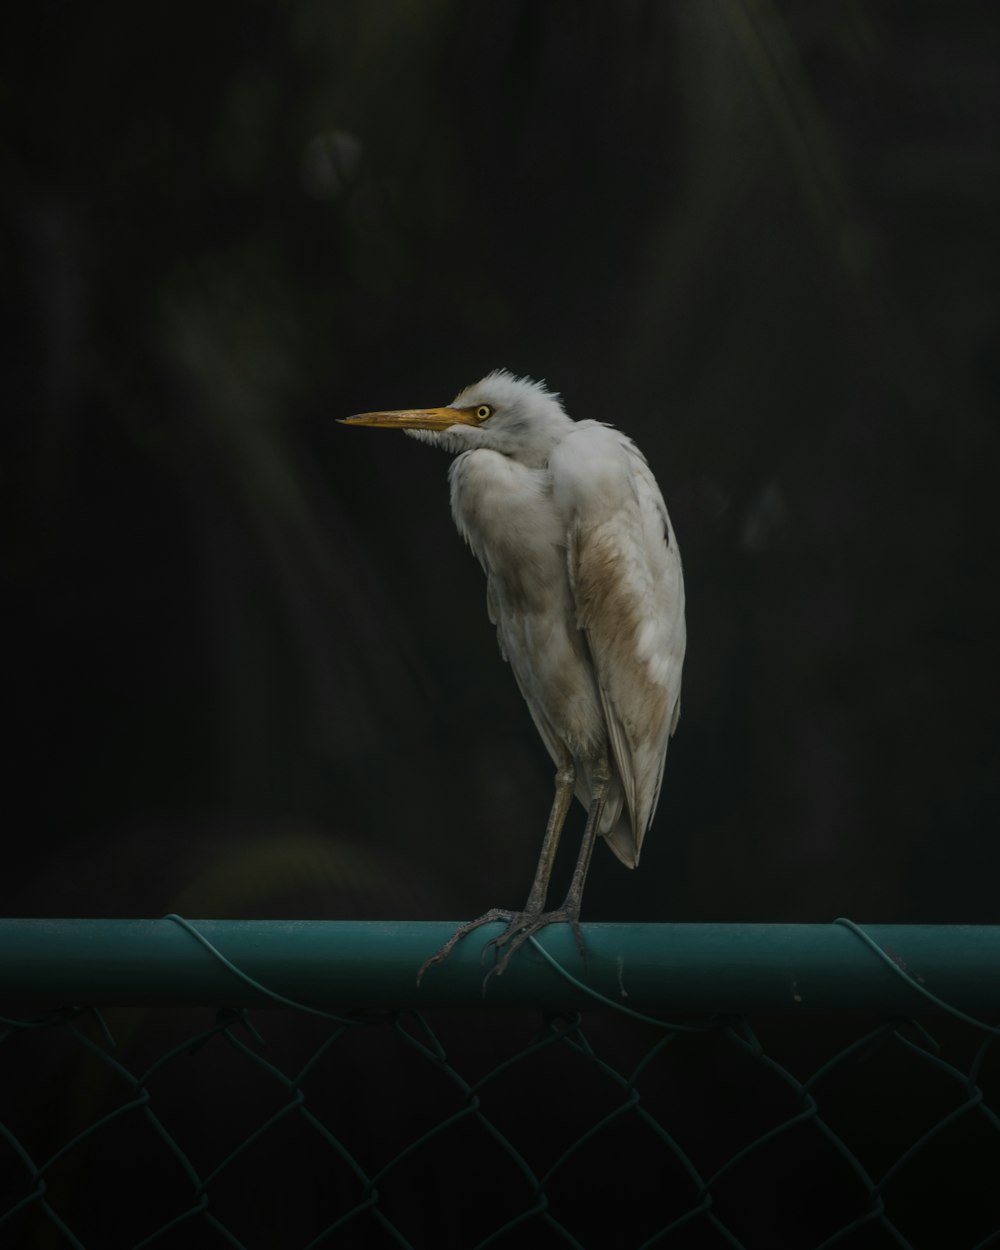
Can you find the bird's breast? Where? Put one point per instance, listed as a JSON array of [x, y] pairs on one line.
[[507, 514]]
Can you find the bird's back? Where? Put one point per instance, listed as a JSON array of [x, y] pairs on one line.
[[628, 590]]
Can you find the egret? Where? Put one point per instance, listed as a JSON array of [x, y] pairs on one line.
[[584, 585]]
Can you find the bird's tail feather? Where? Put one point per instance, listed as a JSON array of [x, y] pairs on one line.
[[616, 821]]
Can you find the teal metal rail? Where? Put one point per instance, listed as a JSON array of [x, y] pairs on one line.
[[718, 968], [742, 1086]]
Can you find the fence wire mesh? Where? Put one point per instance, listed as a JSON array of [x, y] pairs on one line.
[[481, 1127]]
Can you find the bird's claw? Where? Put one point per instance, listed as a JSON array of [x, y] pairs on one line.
[[439, 956]]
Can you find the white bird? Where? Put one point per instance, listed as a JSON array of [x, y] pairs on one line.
[[584, 585]]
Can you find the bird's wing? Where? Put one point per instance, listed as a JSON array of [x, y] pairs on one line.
[[492, 609], [627, 583]]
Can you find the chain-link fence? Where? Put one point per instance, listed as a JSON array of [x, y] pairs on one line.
[[486, 1119]]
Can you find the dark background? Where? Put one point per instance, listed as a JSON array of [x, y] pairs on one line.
[[249, 669]]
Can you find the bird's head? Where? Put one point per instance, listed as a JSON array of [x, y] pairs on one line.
[[514, 416]]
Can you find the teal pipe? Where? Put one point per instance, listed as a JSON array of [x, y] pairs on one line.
[[792, 969]]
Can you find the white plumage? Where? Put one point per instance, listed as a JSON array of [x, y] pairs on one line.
[[585, 587]]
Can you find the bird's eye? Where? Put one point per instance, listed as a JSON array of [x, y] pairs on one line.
[[483, 411]]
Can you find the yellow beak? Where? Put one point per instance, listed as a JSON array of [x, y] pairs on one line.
[[415, 418]]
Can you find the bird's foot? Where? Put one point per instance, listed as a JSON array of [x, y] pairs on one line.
[[524, 925], [521, 926]]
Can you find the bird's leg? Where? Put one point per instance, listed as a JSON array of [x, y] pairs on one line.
[[526, 925], [565, 785], [574, 895]]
